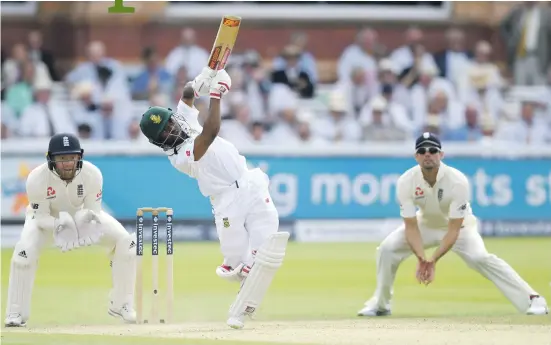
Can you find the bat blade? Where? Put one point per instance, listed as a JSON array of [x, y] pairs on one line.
[[224, 42]]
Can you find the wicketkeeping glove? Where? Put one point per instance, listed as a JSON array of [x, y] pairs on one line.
[[65, 232], [90, 229]]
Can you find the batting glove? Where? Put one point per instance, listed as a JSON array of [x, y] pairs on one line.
[[201, 83], [220, 84]]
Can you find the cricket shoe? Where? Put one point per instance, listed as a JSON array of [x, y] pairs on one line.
[[538, 306], [15, 320], [126, 313], [372, 309], [238, 322]]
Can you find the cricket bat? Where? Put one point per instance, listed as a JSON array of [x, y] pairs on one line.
[[224, 42]]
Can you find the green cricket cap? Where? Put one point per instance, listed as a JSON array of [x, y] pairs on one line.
[[154, 121]]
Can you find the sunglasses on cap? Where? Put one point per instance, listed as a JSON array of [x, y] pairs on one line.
[[423, 150]]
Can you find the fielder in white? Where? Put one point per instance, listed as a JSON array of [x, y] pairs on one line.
[[65, 195], [444, 219], [246, 219]]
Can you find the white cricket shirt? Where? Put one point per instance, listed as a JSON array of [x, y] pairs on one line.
[[219, 167], [48, 194], [448, 198]]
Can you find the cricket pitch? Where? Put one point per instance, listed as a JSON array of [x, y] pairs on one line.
[[380, 331]]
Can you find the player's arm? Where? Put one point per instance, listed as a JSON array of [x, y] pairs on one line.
[[408, 213], [458, 207], [64, 228], [219, 86], [39, 204], [188, 94], [94, 187]]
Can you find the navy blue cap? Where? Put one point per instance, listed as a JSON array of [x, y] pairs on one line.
[[428, 140]]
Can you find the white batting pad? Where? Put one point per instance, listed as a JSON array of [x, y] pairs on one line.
[[22, 272], [124, 271], [269, 258]]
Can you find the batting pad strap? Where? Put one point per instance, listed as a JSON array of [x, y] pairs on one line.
[[269, 258]]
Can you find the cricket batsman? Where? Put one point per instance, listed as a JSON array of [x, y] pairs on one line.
[[444, 220], [246, 219], [65, 195]]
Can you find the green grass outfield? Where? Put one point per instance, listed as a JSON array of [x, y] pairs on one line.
[[321, 284]]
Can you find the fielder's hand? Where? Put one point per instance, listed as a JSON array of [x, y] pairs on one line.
[[89, 230], [65, 232], [425, 271], [220, 84], [201, 83]]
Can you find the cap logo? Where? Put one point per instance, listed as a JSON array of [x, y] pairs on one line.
[[156, 119], [426, 135], [65, 141]]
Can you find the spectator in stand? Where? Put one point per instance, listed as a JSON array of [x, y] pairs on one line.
[[293, 75], [525, 129], [106, 74], [13, 68], [306, 60], [180, 81], [258, 132], [19, 95], [153, 79], [45, 117], [284, 129], [361, 54], [480, 68], [526, 30], [304, 130], [379, 125], [428, 83], [337, 125], [256, 83], [404, 57], [453, 61], [235, 128], [84, 131], [187, 54], [484, 94], [38, 53], [470, 132], [355, 91], [388, 77]]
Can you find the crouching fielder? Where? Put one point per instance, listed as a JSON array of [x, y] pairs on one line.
[[445, 219], [246, 219], [65, 196]]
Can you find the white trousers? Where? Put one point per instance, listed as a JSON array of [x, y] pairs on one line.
[[245, 216], [469, 246], [34, 239]]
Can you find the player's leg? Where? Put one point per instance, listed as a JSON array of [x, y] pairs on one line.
[[391, 252], [266, 250], [233, 238], [121, 247], [470, 247], [24, 263]]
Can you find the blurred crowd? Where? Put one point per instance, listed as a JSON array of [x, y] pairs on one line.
[[461, 93]]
